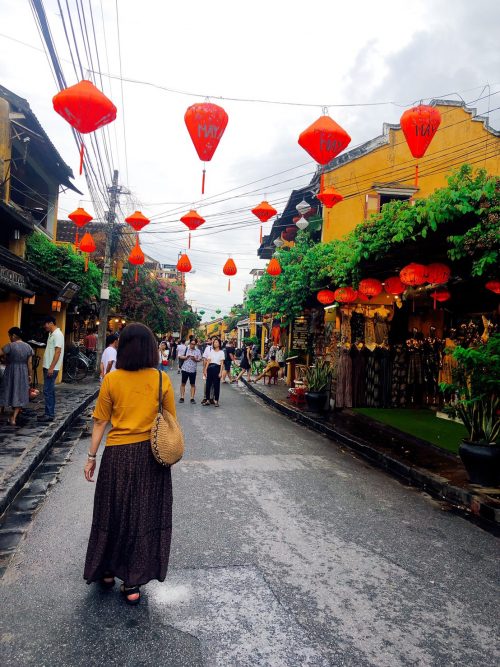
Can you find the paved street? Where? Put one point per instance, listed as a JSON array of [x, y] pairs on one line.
[[286, 551]]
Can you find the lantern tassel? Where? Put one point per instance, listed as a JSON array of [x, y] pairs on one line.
[[260, 239], [189, 240], [136, 275], [203, 181], [274, 284], [82, 150], [229, 284], [416, 175], [434, 303], [86, 262]]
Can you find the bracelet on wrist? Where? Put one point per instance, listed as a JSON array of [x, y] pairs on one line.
[[92, 456]]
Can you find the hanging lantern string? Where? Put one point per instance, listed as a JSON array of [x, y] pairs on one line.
[[203, 179], [82, 151]]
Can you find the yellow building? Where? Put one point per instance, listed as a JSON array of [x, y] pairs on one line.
[[383, 168]]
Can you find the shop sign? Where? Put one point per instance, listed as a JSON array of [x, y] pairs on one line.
[[11, 278], [300, 333]]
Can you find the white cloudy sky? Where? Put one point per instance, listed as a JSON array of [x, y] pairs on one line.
[[310, 53]]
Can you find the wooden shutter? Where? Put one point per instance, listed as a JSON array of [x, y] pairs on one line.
[[372, 205]]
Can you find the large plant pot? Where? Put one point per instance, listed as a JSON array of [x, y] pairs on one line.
[[482, 463], [316, 402]]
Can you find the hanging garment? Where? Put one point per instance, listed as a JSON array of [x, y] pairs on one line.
[[345, 326], [372, 381], [370, 331], [359, 359], [415, 377], [357, 327], [343, 395], [381, 327], [399, 376], [383, 355], [430, 363], [448, 363]]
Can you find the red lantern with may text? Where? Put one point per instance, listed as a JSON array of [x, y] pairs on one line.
[[326, 296], [413, 274], [192, 220], [346, 295], [438, 274], [324, 139], [87, 246], [138, 221], [184, 264], [394, 286], [264, 211], [419, 125], [370, 287], [229, 269], [137, 258], [85, 108], [205, 123], [274, 269], [80, 217]]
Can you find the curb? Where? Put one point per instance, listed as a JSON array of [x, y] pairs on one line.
[[435, 485], [38, 452]]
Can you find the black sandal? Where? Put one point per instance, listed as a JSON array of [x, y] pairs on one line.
[[130, 591]]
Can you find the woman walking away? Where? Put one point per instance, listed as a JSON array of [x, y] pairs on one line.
[[229, 352], [246, 362], [163, 356], [215, 360], [132, 520], [18, 372]]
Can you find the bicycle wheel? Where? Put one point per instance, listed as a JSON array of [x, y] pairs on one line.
[[75, 369]]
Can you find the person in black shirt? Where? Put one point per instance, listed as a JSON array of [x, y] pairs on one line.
[[230, 352]]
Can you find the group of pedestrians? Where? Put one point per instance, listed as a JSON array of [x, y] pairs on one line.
[[216, 363]]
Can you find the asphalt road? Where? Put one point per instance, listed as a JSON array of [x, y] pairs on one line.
[[287, 551]]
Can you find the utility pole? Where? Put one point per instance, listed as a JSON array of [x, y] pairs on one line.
[[114, 191]]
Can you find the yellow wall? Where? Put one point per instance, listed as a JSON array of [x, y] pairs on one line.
[[10, 316], [459, 139], [5, 150]]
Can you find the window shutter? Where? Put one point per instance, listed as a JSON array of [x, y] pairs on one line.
[[372, 205]]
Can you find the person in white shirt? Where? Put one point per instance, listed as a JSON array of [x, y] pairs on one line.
[[52, 362], [108, 359], [163, 356], [181, 350], [215, 360]]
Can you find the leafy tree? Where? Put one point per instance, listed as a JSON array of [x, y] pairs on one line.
[[237, 313]]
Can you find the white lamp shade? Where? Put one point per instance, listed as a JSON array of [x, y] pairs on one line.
[[303, 207], [278, 242], [302, 223]]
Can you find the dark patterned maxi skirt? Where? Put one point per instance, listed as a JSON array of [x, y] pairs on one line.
[[132, 521]]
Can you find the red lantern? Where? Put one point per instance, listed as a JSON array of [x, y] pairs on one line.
[[192, 220], [229, 270], [438, 273], [346, 295], [184, 265], [136, 257], [328, 196], [80, 217], [419, 125], [274, 269], [394, 286], [440, 294], [370, 287], [326, 296], [324, 139], [205, 123], [493, 286], [85, 108], [264, 211], [137, 221], [87, 246], [413, 274]]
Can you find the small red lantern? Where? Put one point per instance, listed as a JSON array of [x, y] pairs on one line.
[[137, 221], [192, 220], [438, 273], [264, 211], [324, 139], [326, 296], [274, 269], [136, 257], [229, 270], [85, 108], [346, 295], [370, 287], [87, 246], [440, 294], [328, 196], [413, 274], [419, 125], [205, 123], [394, 286], [493, 286], [80, 217], [184, 265]]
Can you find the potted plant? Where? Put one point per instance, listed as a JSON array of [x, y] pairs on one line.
[[318, 378], [477, 389]]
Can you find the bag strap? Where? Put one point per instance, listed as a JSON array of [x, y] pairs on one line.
[[160, 402]]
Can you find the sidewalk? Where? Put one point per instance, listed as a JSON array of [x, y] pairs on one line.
[[22, 449], [422, 464]]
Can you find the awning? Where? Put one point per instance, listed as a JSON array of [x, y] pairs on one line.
[[23, 278]]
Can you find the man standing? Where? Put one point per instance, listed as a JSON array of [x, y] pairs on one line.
[[190, 359], [52, 362], [108, 359], [181, 350], [90, 342]]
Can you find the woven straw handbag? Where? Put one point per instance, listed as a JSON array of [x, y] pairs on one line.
[[167, 440]]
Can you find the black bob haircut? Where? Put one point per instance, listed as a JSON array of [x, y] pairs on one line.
[[137, 348]]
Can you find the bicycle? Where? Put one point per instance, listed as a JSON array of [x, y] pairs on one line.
[[76, 365]]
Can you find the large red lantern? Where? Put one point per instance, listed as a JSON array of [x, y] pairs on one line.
[[394, 286], [136, 257], [85, 108], [264, 211], [328, 196], [419, 125], [493, 286], [413, 274], [370, 287], [137, 220], [229, 269], [438, 273], [192, 220], [440, 294], [326, 296], [80, 217], [346, 295], [87, 246], [324, 139], [183, 264], [205, 123]]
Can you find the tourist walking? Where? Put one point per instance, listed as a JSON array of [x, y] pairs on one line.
[[181, 350], [108, 359], [190, 360], [245, 362], [215, 361], [163, 355], [132, 518], [52, 362], [230, 356], [18, 373]]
